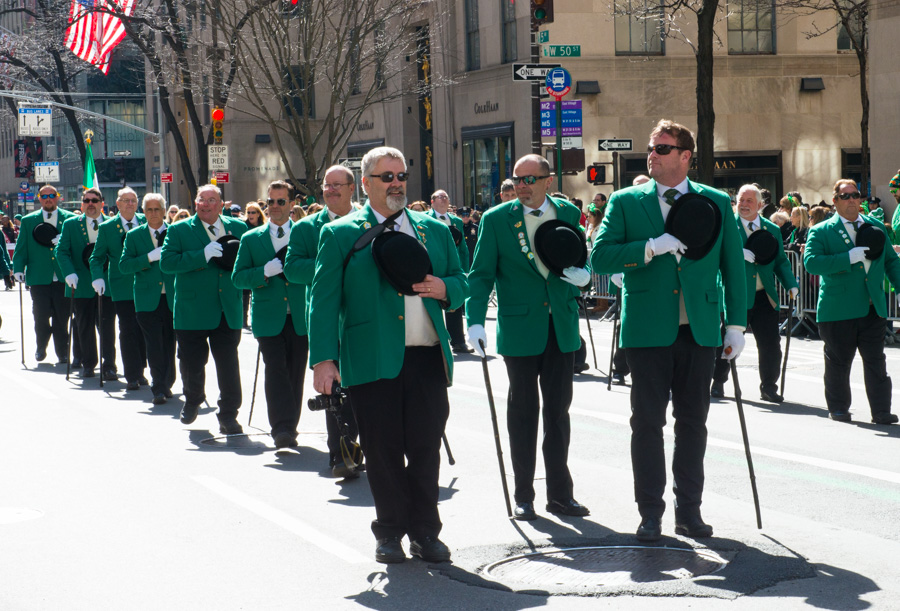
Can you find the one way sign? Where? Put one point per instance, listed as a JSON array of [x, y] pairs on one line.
[[532, 72]]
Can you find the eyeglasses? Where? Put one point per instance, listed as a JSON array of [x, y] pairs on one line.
[[280, 201], [439, 197], [389, 176], [846, 196], [336, 185], [91, 200], [49, 195], [209, 200], [664, 149], [528, 180]]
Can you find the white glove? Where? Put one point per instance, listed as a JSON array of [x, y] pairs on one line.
[[155, 254], [55, 240], [666, 243], [749, 256], [857, 254], [478, 340], [213, 249], [734, 339], [794, 292], [99, 286], [20, 277], [617, 279], [273, 268], [576, 276], [72, 281]]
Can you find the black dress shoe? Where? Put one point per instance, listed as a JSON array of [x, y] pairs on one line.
[[389, 550], [110, 375], [693, 526], [581, 367], [771, 397], [230, 427], [649, 530], [168, 393], [76, 363], [285, 439], [130, 385], [618, 379], [87, 373], [884, 418], [143, 381], [189, 413], [63, 361], [570, 507], [40, 355], [430, 549], [840, 416], [717, 391], [461, 349], [524, 512], [159, 398]]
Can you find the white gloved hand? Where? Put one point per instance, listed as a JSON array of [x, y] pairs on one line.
[[666, 243], [273, 268], [749, 256], [55, 240], [72, 281], [617, 279], [576, 276], [155, 254], [99, 286], [794, 292], [213, 249], [857, 254], [733, 344], [20, 277], [478, 340]]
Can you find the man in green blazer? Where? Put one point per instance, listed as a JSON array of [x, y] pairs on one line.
[[208, 307], [299, 268], [852, 304], [392, 352], [670, 325], [440, 209], [762, 297], [278, 314], [77, 234], [537, 332], [153, 293], [105, 263], [36, 265]]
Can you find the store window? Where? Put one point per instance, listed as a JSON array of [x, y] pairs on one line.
[[473, 43], [488, 158], [508, 9], [639, 27], [751, 27]]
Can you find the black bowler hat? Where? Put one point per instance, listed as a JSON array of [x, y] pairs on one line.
[[873, 237], [764, 245], [457, 235], [43, 234], [696, 221], [401, 259], [560, 245], [281, 255], [230, 244], [86, 257]]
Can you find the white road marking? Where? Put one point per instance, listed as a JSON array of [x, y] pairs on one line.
[[288, 522], [24, 383]]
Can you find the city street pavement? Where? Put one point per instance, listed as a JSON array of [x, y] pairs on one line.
[[109, 502]]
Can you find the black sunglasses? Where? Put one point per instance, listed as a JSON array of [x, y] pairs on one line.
[[389, 176], [89, 200], [528, 180], [49, 195], [846, 196], [664, 149], [280, 202]]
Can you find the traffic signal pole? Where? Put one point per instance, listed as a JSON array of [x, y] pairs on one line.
[[559, 163], [535, 98]]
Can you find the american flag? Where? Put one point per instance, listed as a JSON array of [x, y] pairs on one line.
[[93, 35]]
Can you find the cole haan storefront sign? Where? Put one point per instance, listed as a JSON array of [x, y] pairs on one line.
[[487, 107]]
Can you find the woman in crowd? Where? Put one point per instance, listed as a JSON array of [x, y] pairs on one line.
[[418, 206], [800, 223], [594, 217], [254, 217], [297, 213], [181, 215], [170, 213]]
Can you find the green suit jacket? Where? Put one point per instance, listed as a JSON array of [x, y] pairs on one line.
[[69, 251], [38, 262], [503, 256], [109, 248], [461, 249], [271, 296], [651, 291], [203, 291], [779, 267], [846, 291], [148, 278], [356, 316]]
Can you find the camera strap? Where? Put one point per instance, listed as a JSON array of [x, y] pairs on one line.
[[370, 234]]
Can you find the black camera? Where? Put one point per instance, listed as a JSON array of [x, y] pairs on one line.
[[332, 402]]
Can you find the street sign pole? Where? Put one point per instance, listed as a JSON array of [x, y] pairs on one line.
[[559, 83], [559, 174], [615, 170]]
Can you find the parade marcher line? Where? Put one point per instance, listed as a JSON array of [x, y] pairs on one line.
[[286, 521]]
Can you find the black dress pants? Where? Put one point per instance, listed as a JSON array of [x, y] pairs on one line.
[[131, 341], [454, 321], [842, 339], [50, 309], [194, 347], [685, 369], [86, 321], [762, 319], [553, 371], [284, 356], [159, 338], [401, 422]]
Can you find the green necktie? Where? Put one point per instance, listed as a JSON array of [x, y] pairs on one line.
[[752, 228], [671, 195], [280, 233], [212, 229], [95, 224], [130, 224], [535, 213]]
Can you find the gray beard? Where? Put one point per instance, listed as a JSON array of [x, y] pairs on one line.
[[396, 202]]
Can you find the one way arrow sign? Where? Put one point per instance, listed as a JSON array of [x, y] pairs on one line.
[[532, 72]]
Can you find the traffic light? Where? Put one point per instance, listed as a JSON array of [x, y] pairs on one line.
[[596, 174], [541, 13], [218, 117]]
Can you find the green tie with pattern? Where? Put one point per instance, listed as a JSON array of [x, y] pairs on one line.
[[95, 224], [671, 195], [535, 213], [280, 233]]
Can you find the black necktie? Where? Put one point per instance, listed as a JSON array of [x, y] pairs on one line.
[[671, 195], [212, 229], [130, 224], [157, 236], [535, 213], [752, 228], [856, 225], [49, 215], [443, 218], [95, 224], [280, 232]]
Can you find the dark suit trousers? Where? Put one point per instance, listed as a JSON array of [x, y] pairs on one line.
[[685, 369], [194, 347], [131, 341], [762, 319], [51, 314], [284, 356], [553, 371], [159, 338], [842, 339], [86, 321], [454, 320], [401, 422]]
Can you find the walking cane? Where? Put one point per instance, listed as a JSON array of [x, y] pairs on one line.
[[69, 340], [740, 407], [255, 378], [590, 333], [100, 333], [490, 393], [21, 324], [787, 343], [615, 342], [450, 458]]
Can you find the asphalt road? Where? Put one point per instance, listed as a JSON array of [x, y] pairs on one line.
[[108, 502]]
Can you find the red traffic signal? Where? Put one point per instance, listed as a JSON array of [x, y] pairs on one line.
[[596, 174], [218, 114], [218, 117], [541, 13]]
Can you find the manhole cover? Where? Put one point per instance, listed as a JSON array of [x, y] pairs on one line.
[[587, 567]]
